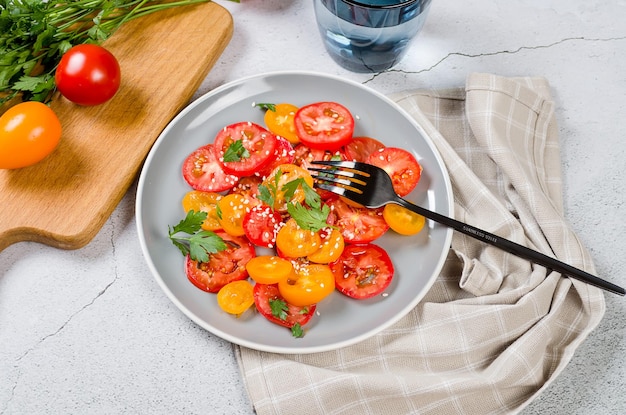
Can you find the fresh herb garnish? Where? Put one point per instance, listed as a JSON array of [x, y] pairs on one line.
[[199, 243], [296, 330], [267, 193], [311, 197], [34, 35], [279, 308], [289, 188], [266, 106], [236, 151], [309, 218]]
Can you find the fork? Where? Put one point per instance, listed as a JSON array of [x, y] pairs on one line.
[[372, 187]]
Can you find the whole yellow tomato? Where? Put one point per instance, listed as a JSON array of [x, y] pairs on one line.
[[29, 131]]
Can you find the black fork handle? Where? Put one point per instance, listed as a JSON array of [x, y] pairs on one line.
[[513, 248]]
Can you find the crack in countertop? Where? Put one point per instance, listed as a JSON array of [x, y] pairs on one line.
[[500, 52], [62, 326]]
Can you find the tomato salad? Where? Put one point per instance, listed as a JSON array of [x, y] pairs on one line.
[[251, 188]]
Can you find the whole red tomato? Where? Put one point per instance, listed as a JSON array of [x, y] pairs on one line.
[[88, 75]]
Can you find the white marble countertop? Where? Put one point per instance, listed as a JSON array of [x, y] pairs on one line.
[[90, 331]]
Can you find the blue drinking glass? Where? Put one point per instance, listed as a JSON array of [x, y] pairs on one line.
[[369, 35]]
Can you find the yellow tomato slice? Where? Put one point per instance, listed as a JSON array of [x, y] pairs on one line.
[[235, 297], [402, 220], [331, 248], [203, 202], [280, 122], [294, 242], [231, 210], [308, 284], [282, 175], [269, 269]]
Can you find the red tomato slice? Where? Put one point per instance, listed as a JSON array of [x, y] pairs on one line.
[[284, 154], [223, 267], [356, 224], [401, 166], [359, 148], [324, 125], [261, 224], [304, 155], [264, 293], [362, 271], [202, 171], [244, 148]]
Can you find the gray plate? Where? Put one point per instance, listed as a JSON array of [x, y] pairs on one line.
[[340, 321]]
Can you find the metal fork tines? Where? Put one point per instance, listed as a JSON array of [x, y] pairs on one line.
[[372, 187], [363, 183]]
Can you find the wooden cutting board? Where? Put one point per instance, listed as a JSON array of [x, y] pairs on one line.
[[64, 200]]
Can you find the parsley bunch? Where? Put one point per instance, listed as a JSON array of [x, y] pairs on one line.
[[34, 35]]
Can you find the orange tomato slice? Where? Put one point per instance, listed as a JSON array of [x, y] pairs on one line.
[[231, 210], [294, 242], [331, 248], [235, 297], [280, 121], [402, 220], [269, 269], [308, 284], [199, 201]]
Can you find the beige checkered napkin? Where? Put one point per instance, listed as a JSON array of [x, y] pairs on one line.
[[494, 330]]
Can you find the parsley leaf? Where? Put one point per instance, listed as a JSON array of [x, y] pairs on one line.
[[267, 193], [35, 83], [236, 152], [191, 224], [266, 106], [289, 188], [199, 243], [279, 308], [309, 219], [311, 197], [296, 330]]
